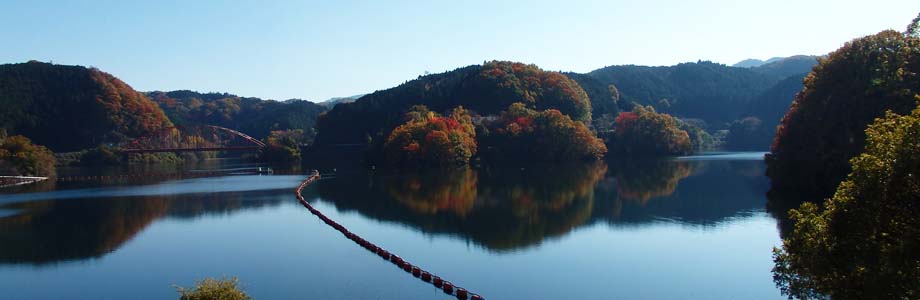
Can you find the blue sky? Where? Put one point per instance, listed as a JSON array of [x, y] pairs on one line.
[[315, 50]]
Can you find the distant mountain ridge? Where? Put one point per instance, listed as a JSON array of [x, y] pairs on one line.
[[753, 62], [253, 116], [714, 93], [788, 66], [703, 90], [331, 102]]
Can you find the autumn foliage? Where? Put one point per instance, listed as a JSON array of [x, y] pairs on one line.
[[428, 138], [254, 116], [864, 242], [18, 156], [486, 89], [825, 126], [535, 88], [69, 108], [523, 134], [646, 132]]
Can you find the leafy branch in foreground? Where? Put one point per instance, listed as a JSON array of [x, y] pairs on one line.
[[865, 244]]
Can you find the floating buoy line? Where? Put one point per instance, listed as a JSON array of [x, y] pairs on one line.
[[446, 286]]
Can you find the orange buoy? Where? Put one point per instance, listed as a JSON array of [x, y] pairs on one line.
[[438, 282], [461, 294], [426, 277], [448, 287]]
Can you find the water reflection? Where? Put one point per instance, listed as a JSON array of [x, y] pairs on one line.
[[642, 180], [40, 228], [505, 209], [500, 208], [497, 208], [434, 191], [700, 193]]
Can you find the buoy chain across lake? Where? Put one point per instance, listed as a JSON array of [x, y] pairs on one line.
[[438, 282]]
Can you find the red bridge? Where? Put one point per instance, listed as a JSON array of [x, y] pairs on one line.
[[194, 139]]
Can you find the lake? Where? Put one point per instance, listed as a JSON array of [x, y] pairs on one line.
[[685, 228]]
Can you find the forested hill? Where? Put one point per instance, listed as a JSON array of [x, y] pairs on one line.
[[253, 116], [704, 90], [720, 95], [789, 66], [486, 89], [69, 108]]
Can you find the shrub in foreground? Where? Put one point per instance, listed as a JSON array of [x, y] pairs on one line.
[[214, 289]]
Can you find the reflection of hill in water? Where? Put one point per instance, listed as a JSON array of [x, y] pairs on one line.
[[710, 193], [74, 229], [643, 180], [509, 208], [501, 208]]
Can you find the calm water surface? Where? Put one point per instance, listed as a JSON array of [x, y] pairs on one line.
[[688, 228]]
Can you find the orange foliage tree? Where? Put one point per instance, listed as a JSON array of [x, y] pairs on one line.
[[521, 134], [646, 132], [428, 138]]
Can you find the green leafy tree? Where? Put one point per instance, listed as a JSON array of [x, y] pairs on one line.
[[102, 155], [747, 134], [19, 155], [699, 139], [865, 244], [913, 29], [283, 146]]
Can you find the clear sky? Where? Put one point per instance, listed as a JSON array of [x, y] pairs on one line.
[[315, 50]]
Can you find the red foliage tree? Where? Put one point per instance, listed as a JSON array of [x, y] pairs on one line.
[[430, 139]]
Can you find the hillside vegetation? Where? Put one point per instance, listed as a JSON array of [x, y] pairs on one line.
[[713, 96], [68, 108], [484, 89], [825, 127], [253, 116]]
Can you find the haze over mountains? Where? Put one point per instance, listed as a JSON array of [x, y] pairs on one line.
[[753, 62]]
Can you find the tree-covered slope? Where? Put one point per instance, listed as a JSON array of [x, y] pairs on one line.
[[757, 126], [704, 90], [253, 116], [68, 108], [825, 127], [484, 89], [788, 66]]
